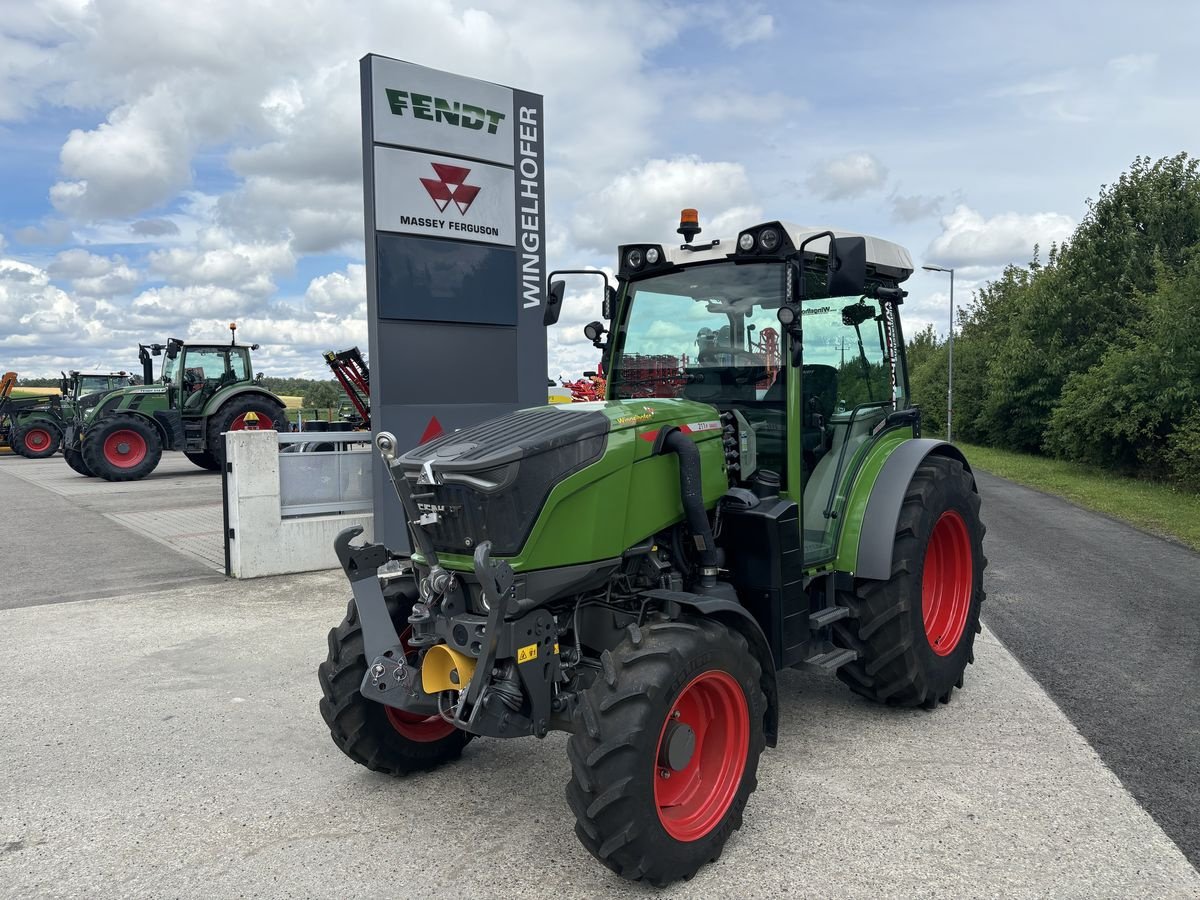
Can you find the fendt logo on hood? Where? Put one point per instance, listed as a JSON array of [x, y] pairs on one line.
[[447, 112], [450, 185]]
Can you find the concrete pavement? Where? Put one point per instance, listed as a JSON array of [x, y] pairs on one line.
[[1107, 618], [68, 537], [169, 744]]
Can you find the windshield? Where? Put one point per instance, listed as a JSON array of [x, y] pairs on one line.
[[704, 331], [91, 384]]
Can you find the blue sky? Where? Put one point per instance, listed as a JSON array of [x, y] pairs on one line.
[[167, 167]]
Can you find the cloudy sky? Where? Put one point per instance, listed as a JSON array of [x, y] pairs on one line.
[[166, 167]]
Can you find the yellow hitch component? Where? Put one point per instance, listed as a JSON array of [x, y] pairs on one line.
[[446, 670]]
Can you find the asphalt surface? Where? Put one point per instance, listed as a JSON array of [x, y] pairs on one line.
[[61, 542], [1107, 619]]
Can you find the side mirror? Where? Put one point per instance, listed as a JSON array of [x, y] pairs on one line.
[[594, 331], [608, 308], [554, 299], [847, 266]]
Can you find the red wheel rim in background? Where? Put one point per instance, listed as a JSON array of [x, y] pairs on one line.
[[692, 801], [265, 422], [37, 439], [124, 448], [947, 580], [414, 726]]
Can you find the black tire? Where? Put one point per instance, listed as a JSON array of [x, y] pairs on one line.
[[75, 460], [205, 460], [897, 663], [615, 763], [139, 435], [270, 416], [361, 728], [51, 439]]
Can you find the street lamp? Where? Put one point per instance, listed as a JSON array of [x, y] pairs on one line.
[[950, 350]]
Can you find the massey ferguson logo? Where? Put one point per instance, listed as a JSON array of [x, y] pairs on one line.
[[450, 185]]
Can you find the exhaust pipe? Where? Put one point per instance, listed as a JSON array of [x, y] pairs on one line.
[[691, 492]]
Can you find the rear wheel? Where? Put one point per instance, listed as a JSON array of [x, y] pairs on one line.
[[122, 447], [373, 735], [205, 460], [37, 440], [232, 417], [668, 753], [915, 633], [75, 460]]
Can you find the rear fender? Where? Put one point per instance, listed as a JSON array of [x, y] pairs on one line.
[[737, 617], [223, 396], [877, 536]]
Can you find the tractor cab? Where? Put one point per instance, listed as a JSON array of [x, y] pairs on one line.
[[792, 333], [195, 373]]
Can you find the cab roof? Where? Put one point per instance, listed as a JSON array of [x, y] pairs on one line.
[[884, 255]]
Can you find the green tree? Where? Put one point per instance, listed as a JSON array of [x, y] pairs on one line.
[[323, 395]]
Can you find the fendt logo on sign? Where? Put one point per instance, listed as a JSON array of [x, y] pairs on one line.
[[448, 112], [450, 185]]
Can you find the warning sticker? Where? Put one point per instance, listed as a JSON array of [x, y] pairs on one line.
[[527, 654]]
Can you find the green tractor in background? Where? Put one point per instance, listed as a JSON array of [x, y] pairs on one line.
[[37, 433], [204, 391], [753, 493]]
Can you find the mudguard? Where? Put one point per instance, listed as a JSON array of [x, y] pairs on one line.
[[878, 535], [738, 617], [223, 396]]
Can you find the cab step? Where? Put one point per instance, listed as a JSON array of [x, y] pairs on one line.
[[832, 659], [823, 617]]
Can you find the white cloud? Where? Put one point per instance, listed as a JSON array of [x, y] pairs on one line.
[[968, 238], [339, 292], [733, 106], [846, 177], [644, 203], [245, 267]]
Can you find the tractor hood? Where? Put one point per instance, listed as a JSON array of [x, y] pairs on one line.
[[490, 481], [109, 401]]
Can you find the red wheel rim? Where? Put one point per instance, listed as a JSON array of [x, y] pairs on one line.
[[415, 727], [946, 583], [37, 439], [692, 801], [124, 448], [265, 422]]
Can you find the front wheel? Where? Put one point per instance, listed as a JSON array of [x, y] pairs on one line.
[[915, 632], [122, 447], [667, 752], [37, 440], [75, 460], [373, 735]]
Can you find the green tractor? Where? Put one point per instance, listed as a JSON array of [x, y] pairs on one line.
[[753, 493], [37, 432], [204, 391]]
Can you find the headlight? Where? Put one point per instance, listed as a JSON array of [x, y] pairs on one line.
[[769, 238], [652, 255], [633, 259], [746, 241]]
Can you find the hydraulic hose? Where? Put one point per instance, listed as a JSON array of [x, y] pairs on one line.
[[691, 492]]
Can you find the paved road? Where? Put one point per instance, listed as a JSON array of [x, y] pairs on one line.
[[1107, 619], [66, 537]]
